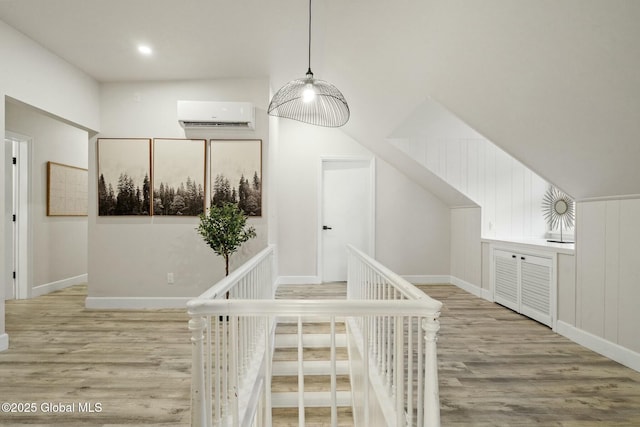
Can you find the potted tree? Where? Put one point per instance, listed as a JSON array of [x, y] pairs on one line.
[[224, 229]]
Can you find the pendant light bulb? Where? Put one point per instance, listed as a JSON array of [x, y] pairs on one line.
[[308, 94]]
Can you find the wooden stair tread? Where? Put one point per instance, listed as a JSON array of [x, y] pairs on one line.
[[322, 353], [310, 328], [313, 383], [314, 417]]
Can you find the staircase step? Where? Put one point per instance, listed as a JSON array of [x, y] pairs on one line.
[[288, 417], [309, 340], [309, 354], [310, 328], [312, 399], [311, 367], [315, 383]]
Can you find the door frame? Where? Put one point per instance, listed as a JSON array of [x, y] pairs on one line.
[[371, 250], [20, 247]]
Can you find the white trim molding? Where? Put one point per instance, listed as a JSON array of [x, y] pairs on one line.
[[469, 287], [422, 279], [4, 342], [298, 280], [57, 285], [135, 303], [606, 348]]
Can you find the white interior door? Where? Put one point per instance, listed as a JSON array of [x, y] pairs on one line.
[[347, 213], [16, 200], [10, 236]]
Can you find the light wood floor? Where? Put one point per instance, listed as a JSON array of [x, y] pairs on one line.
[[496, 367], [136, 364]]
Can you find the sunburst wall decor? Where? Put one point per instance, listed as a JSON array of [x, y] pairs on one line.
[[558, 210]]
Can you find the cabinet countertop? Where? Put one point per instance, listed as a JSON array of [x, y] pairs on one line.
[[535, 244]]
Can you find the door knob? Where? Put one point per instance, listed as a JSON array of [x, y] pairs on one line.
[[325, 227]]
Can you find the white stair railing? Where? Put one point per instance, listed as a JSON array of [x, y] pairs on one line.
[[228, 353], [264, 311], [401, 349], [392, 329]]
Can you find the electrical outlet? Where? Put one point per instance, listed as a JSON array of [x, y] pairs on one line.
[[170, 279]]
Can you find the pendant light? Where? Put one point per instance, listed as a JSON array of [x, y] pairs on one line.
[[310, 100]]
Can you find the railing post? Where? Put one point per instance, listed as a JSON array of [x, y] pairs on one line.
[[198, 408], [234, 346], [431, 327], [398, 369], [268, 372]]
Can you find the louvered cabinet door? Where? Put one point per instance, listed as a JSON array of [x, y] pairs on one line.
[[535, 288], [506, 289]]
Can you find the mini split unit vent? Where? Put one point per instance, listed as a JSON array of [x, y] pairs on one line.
[[209, 114]]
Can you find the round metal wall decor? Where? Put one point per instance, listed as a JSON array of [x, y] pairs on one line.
[[558, 210]]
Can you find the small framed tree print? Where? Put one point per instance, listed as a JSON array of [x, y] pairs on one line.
[[178, 176], [236, 174], [124, 176]]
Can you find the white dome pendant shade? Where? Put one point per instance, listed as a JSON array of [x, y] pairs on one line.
[[310, 100]]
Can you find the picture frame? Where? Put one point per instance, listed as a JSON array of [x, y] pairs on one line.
[[179, 176], [67, 190], [236, 173], [124, 176]]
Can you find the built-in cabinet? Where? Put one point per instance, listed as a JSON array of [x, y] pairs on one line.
[[525, 282]]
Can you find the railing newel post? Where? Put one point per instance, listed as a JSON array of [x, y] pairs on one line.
[[431, 326], [198, 408]]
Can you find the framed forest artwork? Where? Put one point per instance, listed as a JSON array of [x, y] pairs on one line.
[[124, 176], [236, 174], [178, 176]]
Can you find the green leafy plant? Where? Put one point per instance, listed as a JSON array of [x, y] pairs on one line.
[[224, 229]]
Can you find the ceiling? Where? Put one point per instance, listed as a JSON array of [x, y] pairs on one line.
[[191, 39], [552, 82]]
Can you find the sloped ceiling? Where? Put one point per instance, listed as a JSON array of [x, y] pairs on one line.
[[552, 82]]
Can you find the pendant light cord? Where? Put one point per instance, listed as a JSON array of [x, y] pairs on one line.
[[309, 68]]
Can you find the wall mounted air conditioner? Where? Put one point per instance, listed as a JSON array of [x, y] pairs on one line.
[[211, 114]]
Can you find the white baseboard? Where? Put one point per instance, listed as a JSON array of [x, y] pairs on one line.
[[298, 280], [427, 280], [486, 294], [469, 287], [606, 348], [4, 342], [135, 303], [37, 291]]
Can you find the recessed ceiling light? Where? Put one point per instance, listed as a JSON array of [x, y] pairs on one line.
[[145, 50]]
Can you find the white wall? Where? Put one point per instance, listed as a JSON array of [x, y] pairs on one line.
[[58, 244], [608, 271], [466, 248], [412, 226], [33, 75], [131, 256], [509, 193]]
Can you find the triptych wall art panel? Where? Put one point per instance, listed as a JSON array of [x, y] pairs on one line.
[[178, 176], [67, 190], [168, 177], [124, 171], [236, 174]]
